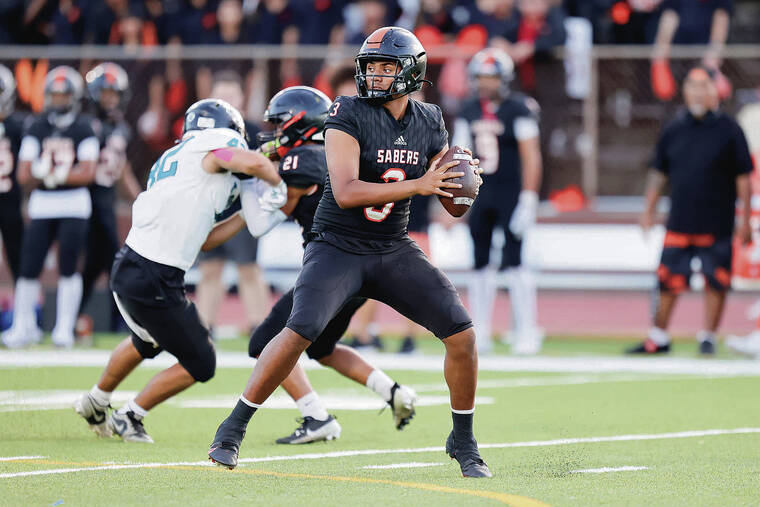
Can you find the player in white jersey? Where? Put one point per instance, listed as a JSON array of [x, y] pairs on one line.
[[188, 186]]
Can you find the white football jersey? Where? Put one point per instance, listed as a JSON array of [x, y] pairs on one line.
[[172, 218]]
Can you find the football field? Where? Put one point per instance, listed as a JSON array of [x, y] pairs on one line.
[[579, 425]]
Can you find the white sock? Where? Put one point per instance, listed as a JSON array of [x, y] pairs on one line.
[[132, 406], [482, 293], [706, 336], [381, 383], [26, 296], [99, 395], [67, 306], [659, 336], [311, 406], [522, 295]]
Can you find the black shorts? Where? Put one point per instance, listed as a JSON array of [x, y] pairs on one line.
[[11, 229], [323, 346], [71, 234], [487, 214], [678, 251], [242, 248], [159, 314], [403, 279]]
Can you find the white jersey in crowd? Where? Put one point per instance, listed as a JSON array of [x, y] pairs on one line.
[[172, 218]]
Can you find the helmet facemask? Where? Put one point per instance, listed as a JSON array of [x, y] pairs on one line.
[[407, 78]]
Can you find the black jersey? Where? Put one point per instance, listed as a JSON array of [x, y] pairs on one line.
[[62, 144], [303, 167], [114, 135], [702, 159], [390, 150], [495, 140], [11, 131]]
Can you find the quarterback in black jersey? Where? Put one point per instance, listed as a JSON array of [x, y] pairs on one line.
[[304, 170], [502, 126], [379, 147], [57, 158], [11, 130], [108, 87]]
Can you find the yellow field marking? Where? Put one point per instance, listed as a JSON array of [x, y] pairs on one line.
[[513, 500]]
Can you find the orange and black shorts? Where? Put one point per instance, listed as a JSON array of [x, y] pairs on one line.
[[679, 252]]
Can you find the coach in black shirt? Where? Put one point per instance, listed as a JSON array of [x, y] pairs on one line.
[[704, 157]]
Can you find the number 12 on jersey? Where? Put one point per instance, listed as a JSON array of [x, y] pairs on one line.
[[378, 215]]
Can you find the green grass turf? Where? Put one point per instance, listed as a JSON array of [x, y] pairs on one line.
[[711, 470]]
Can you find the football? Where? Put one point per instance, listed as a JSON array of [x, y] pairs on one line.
[[465, 196]]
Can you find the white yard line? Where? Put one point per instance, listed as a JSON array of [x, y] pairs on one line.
[[368, 452], [16, 458], [588, 364], [608, 469], [413, 464]]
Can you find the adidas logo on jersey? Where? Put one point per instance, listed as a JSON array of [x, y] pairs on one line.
[[400, 140]]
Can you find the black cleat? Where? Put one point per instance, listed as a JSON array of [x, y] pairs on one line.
[[468, 456], [649, 347], [224, 451], [407, 346], [707, 348]]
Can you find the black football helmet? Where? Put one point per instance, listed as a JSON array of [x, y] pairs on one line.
[[298, 114], [107, 76], [393, 44], [7, 92], [214, 114], [65, 80]]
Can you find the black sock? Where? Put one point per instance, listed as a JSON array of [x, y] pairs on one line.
[[241, 414], [462, 427]]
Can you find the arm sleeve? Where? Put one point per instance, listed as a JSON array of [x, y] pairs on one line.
[[30, 149], [462, 134], [525, 127], [88, 149], [742, 157], [259, 221], [342, 116]]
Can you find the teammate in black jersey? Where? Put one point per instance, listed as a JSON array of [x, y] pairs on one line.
[[108, 87], [379, 146], [58, 154], [304, 169], [11, 130], [502, 125]]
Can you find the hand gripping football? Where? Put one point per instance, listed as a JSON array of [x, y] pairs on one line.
[[465, 196]]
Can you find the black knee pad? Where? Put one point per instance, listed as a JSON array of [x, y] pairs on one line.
[[145, 349]]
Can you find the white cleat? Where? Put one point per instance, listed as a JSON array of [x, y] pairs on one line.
[[17, 338], [95, 415], [64, 340], [746, 345], [129, 427], [313, 430], [402, 403], [528, 343]]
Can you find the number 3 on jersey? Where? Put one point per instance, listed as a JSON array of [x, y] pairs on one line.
[[378, 215]]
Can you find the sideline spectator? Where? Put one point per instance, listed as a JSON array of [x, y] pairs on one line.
[[703, 156]]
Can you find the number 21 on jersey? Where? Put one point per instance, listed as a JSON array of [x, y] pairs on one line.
[[379, 214]]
